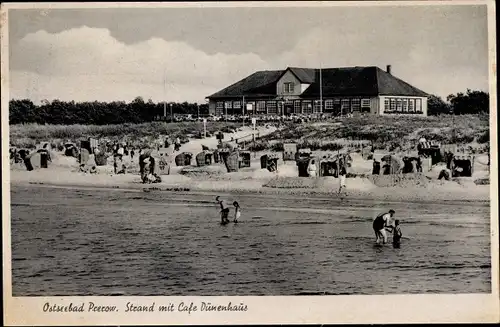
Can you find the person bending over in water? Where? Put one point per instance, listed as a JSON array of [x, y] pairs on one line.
[[237, 211], [380, 224], [224, 210], [397, 234]]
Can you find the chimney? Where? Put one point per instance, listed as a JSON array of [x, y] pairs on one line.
[[388, 69]]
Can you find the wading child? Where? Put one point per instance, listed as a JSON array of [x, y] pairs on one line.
[[397, 234], [237, 211], [224, 210]]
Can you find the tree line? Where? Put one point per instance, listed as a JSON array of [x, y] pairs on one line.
[[97, 113], [470, 102], [139, 111]]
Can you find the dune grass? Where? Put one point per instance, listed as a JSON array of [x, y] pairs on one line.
[[380, 131], [27, 135]]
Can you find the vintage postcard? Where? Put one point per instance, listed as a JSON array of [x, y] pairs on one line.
[[249, 163]]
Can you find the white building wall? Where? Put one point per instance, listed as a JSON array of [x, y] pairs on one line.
[[303, 87], [381, 105], [374, 105], [424, 106]]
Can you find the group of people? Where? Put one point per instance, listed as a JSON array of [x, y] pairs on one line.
[[383, 224], [224, 211]]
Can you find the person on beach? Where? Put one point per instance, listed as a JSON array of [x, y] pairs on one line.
[[120, 152], [381, 224], [311, 169], [177, 144], [224, 210], [342, 177], [397, 235], [237, 211]]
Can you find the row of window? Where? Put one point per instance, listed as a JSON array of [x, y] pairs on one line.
[[299, 106], [402, 105], [346, 105]]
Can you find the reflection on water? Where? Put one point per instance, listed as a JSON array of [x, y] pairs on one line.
[[97, 242]]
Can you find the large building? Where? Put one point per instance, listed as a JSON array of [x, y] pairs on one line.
[[300, 91]]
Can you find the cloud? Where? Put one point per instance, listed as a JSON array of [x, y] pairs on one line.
[[89, 64], [433, 66]]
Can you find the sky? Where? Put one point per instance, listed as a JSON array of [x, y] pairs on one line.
[[118, 54]]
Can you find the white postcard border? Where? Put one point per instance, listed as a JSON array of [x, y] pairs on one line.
[[264, 309]]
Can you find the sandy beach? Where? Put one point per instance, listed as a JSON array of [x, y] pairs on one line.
[[63, 171]]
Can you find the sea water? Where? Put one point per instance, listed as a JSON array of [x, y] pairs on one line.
[[68, 242]]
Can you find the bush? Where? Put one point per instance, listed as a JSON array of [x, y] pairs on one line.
[[278, 147], [331, 146], [259, 145], [484, 137]]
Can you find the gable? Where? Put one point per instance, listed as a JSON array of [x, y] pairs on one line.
[[305, 75]]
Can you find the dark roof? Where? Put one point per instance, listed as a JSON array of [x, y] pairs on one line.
[[391, 85], [262, 83], [350, 81], [344, 81]]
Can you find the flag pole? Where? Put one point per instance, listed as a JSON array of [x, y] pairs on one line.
[[243, 105], [164, 93], [320, 88]]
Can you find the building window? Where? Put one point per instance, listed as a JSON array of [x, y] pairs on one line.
[[261, 106], [288, 87], [411, 105], [271, 107], [355, 105], [393, 105], [228, 107], [306, 107], [317, 106], [296, 107], [405, 105], [365, 105], [237, 105], [336, 105], [399, 105], [344, 106], [386, 105], [329, 105], [250, 106], [419, 105], [281, 105], [219, 109]]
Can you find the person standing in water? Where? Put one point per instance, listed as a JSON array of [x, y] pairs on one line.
[[237, 211], [380, 224], [397, 234], [224, 210]]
